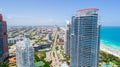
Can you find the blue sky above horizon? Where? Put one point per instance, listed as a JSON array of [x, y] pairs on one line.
[[56, 12]]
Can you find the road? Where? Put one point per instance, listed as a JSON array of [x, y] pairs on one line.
[[53, 54]]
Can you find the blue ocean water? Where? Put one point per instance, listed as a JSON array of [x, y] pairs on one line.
[[110, 36]]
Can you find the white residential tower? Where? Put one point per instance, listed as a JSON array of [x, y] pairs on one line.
[[24, 53]]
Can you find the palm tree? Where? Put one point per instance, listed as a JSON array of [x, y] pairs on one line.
[[106, 58]]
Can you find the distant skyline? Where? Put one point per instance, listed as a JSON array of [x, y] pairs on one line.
[[56, 12]]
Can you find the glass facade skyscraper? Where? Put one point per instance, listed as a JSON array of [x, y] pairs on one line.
[[85, 41], [3, 40], [67, 38], [25, 53]]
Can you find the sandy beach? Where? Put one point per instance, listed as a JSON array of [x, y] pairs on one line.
[[110, 50]]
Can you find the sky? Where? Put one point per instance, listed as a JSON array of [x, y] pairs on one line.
[[56, 12]]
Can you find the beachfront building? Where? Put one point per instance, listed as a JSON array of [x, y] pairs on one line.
[[3, 40], [25, 53], [85, 41], [67, 38]]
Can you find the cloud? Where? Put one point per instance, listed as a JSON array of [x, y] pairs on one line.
[[9, 17], [1, 9], [30, 20], [51, 20]]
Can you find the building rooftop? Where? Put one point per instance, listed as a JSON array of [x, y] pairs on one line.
[[88, 9], [39, 64], [64, 64], [4, 21], [12, 60]]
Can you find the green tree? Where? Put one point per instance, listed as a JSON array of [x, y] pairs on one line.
[[36, 58], [4, 64]]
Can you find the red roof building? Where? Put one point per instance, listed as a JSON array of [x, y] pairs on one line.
[[88, 9]]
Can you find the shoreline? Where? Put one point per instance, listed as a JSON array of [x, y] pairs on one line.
[[110, 50]]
